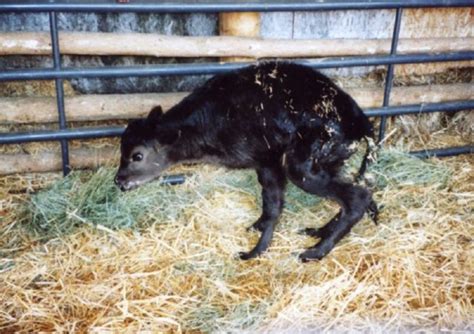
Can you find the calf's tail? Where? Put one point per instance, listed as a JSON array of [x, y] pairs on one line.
[[371, 148], [365, 160]]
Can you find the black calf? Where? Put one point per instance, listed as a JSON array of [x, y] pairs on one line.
[[284, 120]]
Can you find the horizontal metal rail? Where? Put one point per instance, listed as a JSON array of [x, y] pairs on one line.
[[215, 68], [117, 131], [88, 133], [211, 6], [420, 108], [443, 152], [66, 134], [173, 179]]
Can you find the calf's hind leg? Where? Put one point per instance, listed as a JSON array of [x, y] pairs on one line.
[[273, 185], [353, 199]]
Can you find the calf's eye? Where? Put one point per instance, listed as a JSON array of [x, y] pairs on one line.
[[137, 157]]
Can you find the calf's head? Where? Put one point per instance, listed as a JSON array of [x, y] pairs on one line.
[[143, 154]]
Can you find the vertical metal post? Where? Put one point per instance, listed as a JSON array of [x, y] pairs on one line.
[[59, 90], [389, 78]]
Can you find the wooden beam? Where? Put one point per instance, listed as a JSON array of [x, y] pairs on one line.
[[136, 44], [51, 161], [245, 24], [115, 106], [370, 98], [84, 107]]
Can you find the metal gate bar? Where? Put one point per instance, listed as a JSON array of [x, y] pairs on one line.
[[207, 6], [389, 78], [59, 90], [215, 68], [88, 133], [214, 6], [445, 152]]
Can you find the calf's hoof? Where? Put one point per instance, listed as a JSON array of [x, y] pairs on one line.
[[373, 211], [310, 255], [315, 232], [247, 255], [316, 252]]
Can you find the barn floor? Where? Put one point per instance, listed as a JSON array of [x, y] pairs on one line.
[[175, 270], [178, 272]]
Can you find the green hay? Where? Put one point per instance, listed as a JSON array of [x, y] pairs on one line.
[[93, 199], [240, 318], [394, 167], [246, 182]]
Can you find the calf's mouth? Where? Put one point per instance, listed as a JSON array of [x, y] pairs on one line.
[[126, 184]]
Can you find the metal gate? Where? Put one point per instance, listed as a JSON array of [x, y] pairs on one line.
[[59, 73]]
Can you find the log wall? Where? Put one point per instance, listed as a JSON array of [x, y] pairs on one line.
[[125, 106]]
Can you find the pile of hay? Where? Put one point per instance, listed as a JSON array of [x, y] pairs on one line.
[[162, 258], [92, 197]]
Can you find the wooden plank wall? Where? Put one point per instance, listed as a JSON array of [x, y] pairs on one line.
[[419, 23]]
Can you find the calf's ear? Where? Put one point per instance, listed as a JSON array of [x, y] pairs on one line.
[[155, 114]]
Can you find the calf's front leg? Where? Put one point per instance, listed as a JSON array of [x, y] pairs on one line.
[[273, 182]]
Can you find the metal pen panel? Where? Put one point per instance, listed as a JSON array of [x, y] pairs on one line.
[[58, 73]]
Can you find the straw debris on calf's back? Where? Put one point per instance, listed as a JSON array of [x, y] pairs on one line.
[[286, 121]]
